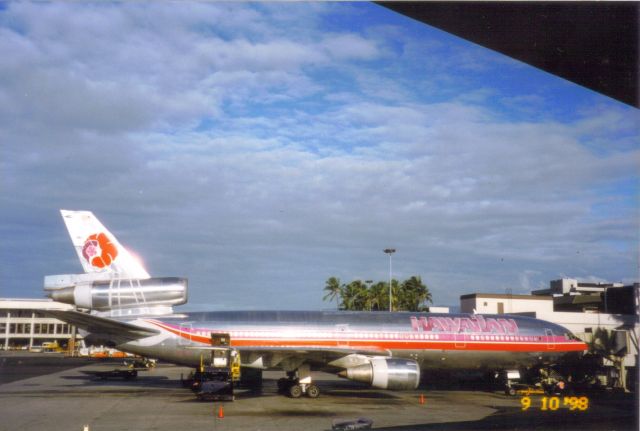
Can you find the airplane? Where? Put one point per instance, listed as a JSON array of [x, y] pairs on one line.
[[120, 305]]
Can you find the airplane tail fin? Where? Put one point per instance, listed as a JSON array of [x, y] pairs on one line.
[[98, 249]]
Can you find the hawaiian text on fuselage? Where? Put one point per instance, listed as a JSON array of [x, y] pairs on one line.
[[476, 323]]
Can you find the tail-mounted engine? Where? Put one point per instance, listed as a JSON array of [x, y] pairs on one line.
[[386, 373], [118, 297]]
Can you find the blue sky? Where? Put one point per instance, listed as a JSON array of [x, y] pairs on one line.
[[260, 148]]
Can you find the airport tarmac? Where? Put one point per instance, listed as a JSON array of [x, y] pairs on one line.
[[56, 393]]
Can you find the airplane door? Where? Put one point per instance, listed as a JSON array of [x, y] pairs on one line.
[[220, 358], [185, 330], [549, 339], [460, 340]]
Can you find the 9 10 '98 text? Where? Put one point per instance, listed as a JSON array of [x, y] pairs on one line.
[[554, 403]]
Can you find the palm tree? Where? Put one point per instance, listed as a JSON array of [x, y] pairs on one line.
[[355, 296], [362, 300], [604, 344], [334, 290], [379, 296], [413, 294], [410, 295]]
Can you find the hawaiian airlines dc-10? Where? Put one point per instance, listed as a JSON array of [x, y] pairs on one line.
[[126, 308]]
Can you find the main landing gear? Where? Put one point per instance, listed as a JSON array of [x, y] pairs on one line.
[[298, 383]]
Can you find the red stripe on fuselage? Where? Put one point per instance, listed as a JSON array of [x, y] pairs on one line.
[[448, 341]]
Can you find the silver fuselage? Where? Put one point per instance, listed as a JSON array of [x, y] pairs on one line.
[[282, 339]]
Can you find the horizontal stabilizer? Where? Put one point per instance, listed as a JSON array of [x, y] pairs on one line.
[[99, 325], [59, 281]]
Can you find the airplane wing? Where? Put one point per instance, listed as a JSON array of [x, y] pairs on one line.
[[331, 351], [322, 357], [327, 352], [100, 325]]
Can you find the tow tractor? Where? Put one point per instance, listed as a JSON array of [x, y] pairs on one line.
[[510, 380], [549, 382], [117, 373], [216, 380], [133, 367]]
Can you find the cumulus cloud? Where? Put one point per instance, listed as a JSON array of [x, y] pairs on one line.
[[258, 151]]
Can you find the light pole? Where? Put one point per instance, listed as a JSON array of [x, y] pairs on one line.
[[389, 251]]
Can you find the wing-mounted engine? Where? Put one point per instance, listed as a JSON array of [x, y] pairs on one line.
[[118, 297], [386, 373]]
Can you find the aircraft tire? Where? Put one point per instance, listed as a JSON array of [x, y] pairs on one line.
[[313, 391], [295, 391]]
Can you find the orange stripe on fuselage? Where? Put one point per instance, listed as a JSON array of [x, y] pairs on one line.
[[386, 344], [410, 345]]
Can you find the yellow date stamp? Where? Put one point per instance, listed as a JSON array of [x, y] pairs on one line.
[[554, 403]]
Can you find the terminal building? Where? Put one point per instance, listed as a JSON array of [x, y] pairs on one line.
[[22, 326], [580, 307]]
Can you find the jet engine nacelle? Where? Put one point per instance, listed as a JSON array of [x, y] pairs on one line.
[[386, 373], [114, 294]]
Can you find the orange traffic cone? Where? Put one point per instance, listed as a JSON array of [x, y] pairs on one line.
[[221, 412], [421, 399]]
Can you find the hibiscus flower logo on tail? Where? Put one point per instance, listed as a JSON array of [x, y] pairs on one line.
[[99, 251]]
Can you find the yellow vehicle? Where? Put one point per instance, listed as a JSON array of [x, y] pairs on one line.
[[51, 346], [235, 366]]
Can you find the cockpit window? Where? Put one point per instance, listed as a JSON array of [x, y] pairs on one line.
[[570, 337]]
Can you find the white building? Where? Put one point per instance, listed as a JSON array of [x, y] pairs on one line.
[[569, 285], [491, 303], [22, 326]]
